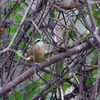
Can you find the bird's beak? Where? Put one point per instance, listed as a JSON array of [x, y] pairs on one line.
[[41, 40]]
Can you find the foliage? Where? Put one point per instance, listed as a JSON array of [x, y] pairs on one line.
[[72, 50]]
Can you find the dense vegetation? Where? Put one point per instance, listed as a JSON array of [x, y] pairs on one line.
[[71, 65]]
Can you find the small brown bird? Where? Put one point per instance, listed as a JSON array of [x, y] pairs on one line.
[[70, 4], [36, 53]]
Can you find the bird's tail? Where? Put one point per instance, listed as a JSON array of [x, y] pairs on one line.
[[22, 70]]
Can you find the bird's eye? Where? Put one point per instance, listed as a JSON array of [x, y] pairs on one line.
[[37, 41]]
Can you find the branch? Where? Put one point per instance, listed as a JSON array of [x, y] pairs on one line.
[[24, 17], [44, 64]]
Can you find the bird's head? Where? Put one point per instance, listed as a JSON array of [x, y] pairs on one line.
[[39, 42]]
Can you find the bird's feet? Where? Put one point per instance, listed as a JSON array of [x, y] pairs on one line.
[[34, 64]]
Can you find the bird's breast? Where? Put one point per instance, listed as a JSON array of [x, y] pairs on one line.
[[39, 53]]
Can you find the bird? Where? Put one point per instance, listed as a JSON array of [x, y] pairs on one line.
[[36, 53], [70, 4]]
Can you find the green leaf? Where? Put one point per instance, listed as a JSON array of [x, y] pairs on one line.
[[18, 18], [33, 87], [13, 30], [21, 45], [15, 96], [64, 34]]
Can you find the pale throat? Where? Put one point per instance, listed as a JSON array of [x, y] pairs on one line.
[[40, 44]]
